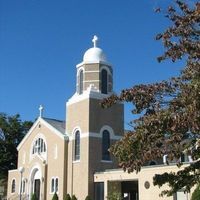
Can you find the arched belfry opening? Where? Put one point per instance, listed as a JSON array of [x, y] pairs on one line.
[[104, 81], [80, 82]]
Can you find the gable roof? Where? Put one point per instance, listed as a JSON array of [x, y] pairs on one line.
[[56, 126]]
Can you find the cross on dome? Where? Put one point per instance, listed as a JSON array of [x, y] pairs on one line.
[[41, 110], [95, 40]]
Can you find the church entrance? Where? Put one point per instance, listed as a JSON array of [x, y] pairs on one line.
[[37, 188], [36, 183]]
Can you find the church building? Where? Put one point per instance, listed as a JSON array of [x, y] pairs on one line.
[[72, 156]]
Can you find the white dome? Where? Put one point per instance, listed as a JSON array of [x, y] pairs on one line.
[[94, 54]]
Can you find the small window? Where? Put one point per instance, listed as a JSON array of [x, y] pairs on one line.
[[105, 145], [104, 81], [54, 185], [77, 146], [23, 186], [81, 82], [13, 186]]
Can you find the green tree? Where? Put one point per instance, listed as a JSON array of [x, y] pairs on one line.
[[74, 197], [88, 198], [169, 111], [196, 193], [67, 197], [33, 197], [12, 130], [115, 196], [55, 196]]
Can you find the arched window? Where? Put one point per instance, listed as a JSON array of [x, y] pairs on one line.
[[104, 81], [77, 146], [39, 146], [13, 186], [105, 145], [54, 184], [81, 82], [23, 186]]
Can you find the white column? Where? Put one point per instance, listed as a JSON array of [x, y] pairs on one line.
[[105, 189]]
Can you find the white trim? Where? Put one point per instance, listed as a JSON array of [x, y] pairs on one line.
[[88, 71], [89, 93], [92, 62], [29, 132], [106, 161], [109, 129], [75, 129], [96, 135], [107, 69], [41, 120], [76, 161], [91, 81], [13, 170], [78, 71]]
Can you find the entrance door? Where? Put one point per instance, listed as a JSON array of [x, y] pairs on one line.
[[37, 188], [130, 190]]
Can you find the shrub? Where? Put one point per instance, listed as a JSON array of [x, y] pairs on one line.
[[88, 198], [55, 197], [67, 197], [114, 196], [33, 197], [196, 193], [74, 197]]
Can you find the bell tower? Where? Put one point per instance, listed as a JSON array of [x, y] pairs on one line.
[[91, 129], [94, 71]]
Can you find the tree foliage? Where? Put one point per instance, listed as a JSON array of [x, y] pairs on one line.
[[33, 197], [115, 196], [67, 197], [88, 198], [74, 197], [55, 196], [196, 193], [169, 110], [12, 130]]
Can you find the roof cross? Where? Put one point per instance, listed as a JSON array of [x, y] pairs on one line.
[[41, 110], [95, 40]]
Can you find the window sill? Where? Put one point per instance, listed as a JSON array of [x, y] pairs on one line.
[[52, 193], [76, 161], [106, 161]]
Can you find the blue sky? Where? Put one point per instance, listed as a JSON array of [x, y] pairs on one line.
[[41, 41]]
